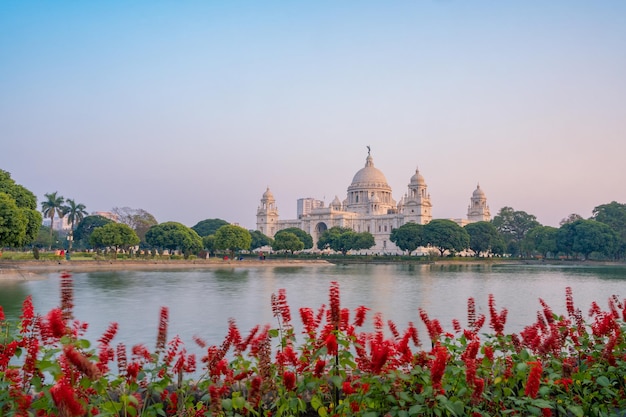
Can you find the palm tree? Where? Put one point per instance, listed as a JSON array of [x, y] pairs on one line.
[[51, 207], [75, 214]]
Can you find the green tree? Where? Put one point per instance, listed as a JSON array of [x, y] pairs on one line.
[[542, 239], [114, 235], [85, 228], [513, 226], [343, 239], [43, 239], [446, 235], [13, 222], [209, 226], [288, 242], [52, 207], [304, 237], [570, 219], [75, 214], [483, 236], [232, 238], [614, 215], [408, 237], [26, 204], [208, 242], [584, 237], [138, 219], [363, 240], [259, 240], [174, 236]]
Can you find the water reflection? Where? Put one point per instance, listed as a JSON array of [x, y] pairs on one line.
[[12, 295]]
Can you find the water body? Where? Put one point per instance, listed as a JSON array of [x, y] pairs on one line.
[[201, 301]]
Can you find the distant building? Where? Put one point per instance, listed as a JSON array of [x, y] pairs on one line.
[[60, 223], [368, 207], [306, 205]]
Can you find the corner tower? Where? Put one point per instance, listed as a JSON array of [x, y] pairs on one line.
[[267, 214], [478, 209], [416, 205]]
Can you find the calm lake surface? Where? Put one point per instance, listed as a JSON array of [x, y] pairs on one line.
[[201, 301]]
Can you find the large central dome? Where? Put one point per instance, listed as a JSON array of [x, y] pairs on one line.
[[369, 192], [369, 175]]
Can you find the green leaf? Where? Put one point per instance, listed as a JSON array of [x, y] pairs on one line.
[[238, 403], [337, 381], [416, 409], [541, 403], [273, 332], [370, 414], [576, 410], [456, 407], [316, 402], [603, 381], [83, 344], [227, 404]]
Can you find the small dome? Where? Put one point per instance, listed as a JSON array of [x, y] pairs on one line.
[[478, 193], [336, 202], [369, 174], [417, 178], [375, 199], [267, 195]]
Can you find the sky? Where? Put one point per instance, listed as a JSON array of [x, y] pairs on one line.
[[191, 109]]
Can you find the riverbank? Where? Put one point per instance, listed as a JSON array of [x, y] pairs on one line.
[[38, 269], [23, 270]]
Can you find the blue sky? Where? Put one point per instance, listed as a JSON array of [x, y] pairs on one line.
[[189, 110]]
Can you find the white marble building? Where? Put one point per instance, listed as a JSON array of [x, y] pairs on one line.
[[368, 207]]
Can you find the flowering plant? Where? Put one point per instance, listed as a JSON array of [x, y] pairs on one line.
[[561, 365]]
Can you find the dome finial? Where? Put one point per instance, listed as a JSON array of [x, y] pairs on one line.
[[369, 150]]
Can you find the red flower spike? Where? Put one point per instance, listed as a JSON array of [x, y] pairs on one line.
[[162, 334], [109, 334], [534, 379], [121, 357], [81, 362], [393, 329], [547, 311], [471, 311], [28, 314], [56, 323], [347, 389], [438, 367], [569, 302], [64, 398], [289, 379], [335, 307], [67, 295], [331, 344], [320, 366], [360, 314], [497, 321]]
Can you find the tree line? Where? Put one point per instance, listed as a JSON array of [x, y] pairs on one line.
[[511, 232], [517, 233]]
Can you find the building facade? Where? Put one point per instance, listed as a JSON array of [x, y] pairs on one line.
[[368, 207]]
